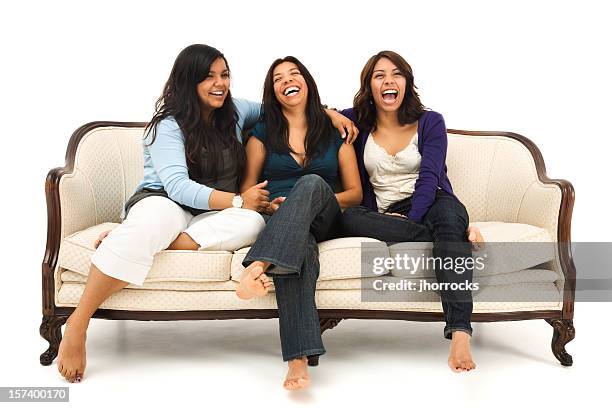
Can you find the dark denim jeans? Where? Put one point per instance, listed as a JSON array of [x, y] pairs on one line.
[[445, 225], [310, 214]]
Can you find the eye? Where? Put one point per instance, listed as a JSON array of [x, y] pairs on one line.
[[225, 75], [276, 79]]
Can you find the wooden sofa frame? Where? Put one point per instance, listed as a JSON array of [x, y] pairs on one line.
[[54, 317]]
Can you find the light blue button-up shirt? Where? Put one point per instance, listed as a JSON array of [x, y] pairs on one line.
[[165, 165]]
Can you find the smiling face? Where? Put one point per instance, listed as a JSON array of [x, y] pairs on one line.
[[213, 90], [290, 87], [388, 85]]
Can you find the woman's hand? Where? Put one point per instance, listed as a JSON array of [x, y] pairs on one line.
[[476, 238], [345, 126], [274, 204], [256, 198]]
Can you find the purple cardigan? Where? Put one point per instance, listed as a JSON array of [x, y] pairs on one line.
[[432, 144]]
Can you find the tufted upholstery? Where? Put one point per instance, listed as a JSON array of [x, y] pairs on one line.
[[494, 176]]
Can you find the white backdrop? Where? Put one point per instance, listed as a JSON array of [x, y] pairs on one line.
[[538, 68]]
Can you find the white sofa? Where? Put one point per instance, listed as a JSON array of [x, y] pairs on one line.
[[499, 176]]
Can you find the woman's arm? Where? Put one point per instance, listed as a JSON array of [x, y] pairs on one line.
[[351, 183], [251, 190], [249, 112], [346, 127], [168, 158], [433, 159], [255, 157]]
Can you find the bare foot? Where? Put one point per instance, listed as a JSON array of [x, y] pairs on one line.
[[297, 376], [253, 282], [71, 356], [460, 358]]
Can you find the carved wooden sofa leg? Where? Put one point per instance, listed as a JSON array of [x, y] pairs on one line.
[[328, 323], [563, 333], [51, 330]]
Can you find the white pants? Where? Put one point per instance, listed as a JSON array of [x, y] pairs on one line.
[[154, 222]]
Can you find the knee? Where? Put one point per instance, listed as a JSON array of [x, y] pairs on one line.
[[310, 181], [157, 216], [250, 222], [253, 222], [450, 227]]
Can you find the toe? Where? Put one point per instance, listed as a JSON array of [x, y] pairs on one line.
[[79, 374], [64, 371]]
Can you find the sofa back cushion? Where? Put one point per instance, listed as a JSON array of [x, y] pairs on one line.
[[490, 175]]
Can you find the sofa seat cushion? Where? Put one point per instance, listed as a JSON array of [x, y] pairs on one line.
[[525, 276], [338, 258], [193, 266], [549, 298], [509, 247]]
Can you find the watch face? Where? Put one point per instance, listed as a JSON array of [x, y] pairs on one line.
[[237, 201]]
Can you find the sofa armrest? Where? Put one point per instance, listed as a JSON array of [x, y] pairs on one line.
[[540, 206], [76, 198], [540, 201]]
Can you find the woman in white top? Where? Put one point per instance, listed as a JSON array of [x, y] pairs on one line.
[[407, 196]]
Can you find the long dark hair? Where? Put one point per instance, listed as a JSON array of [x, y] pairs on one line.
[[411, 108], [320, 130], [204, 139]]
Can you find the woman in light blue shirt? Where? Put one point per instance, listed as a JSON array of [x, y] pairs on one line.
[[189, 196]]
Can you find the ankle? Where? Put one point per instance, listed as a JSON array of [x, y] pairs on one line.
[[300, 361], [460, 335], [77, 324]]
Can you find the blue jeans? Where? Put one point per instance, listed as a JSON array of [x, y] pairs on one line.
[[445, 225], [309, 214]]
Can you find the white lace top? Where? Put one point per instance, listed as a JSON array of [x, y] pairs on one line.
[[393, 177]]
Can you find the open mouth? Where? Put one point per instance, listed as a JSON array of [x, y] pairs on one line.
[[291, 91], [217, 93], [390, 95]]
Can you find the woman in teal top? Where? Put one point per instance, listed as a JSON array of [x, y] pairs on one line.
[[282, 171], [298, 152]]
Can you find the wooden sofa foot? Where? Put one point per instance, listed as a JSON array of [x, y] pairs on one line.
[[51, 330], [326, 324], [313, 361], [563, 333]]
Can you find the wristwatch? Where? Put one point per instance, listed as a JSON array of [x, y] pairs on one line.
[[237, 201]]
